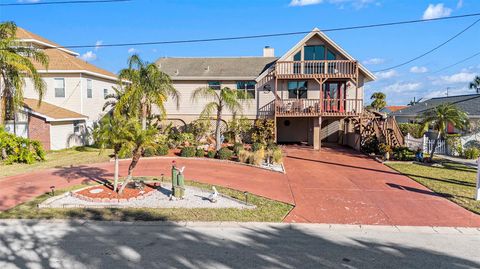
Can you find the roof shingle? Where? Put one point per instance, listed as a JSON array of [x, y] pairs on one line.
[[468, 103], [51, 111]]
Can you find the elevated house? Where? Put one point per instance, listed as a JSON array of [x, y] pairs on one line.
[[313, 92]]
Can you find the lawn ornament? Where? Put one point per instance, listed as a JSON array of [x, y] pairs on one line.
[[213, 196]]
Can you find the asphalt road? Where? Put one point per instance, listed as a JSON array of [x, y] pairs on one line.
[[64, 244]]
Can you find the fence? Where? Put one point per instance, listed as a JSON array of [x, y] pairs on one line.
[[425, 144]]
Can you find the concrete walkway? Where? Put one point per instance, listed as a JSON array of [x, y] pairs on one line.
[[63, 244], [472, 163], [331, 186]]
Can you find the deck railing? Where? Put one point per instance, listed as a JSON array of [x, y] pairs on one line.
[[321, 68], [318, 107]]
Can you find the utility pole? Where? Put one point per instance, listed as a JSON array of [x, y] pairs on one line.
[[448, 88]]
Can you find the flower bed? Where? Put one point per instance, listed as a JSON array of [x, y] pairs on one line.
[[102, 193]]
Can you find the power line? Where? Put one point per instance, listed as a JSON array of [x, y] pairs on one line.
[[264, 35], [431, 50], [62, 2], [457, 63]]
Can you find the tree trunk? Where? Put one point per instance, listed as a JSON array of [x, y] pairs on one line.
[[218, 143], [136, 157], [434, 147], [144, 117], [115, 174]]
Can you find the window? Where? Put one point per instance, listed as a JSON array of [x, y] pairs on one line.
[[59, 87], [297, 89], [313, 53], [297, 66], [105, 93], [89, 88], [77, 127], [214, 85], [247, 89]]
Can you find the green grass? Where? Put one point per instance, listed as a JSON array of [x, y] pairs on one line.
[[266, 210], [454, 181], [59, 158]]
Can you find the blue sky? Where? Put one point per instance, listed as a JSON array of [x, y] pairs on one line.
[[378, 48]]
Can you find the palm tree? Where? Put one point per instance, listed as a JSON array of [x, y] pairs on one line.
[[146, 86], [475, 84], [15, 65], [116, 133], [378, 100], [224, 98], [439, 118]]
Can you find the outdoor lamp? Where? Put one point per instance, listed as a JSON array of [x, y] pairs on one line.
[[267, 88], [246, 197], [52, 188]]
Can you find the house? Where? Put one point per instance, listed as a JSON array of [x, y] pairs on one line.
[[390, 109], [311, 91], [73, 101]]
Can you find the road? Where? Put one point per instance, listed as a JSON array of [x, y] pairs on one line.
[[66, 244]]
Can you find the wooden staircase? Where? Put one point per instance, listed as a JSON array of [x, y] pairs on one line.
[[371, 124]]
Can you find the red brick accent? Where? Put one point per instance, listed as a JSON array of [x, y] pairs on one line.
[[39, 129]]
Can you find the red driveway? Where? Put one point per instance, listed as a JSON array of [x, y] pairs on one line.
[[331, 186]]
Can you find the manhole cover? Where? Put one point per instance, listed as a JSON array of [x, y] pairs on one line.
[[96, 191]]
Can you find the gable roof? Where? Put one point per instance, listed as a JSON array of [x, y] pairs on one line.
[[389, 109], [51, 112], [246, 68], [61, 60], [468, 103]]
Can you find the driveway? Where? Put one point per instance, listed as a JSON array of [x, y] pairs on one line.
[[334, 185]]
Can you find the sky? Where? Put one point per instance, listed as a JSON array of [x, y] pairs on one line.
[[376, 48]]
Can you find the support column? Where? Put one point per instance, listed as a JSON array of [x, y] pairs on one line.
[[317, 133]]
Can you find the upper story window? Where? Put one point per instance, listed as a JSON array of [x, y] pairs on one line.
[[247, 89], [105, 93], [59, 87], [297, 89], [313, 53], [89, 88], [214, 85]]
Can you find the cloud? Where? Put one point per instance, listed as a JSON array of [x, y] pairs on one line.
[[296, 3], [418, 69], [462, 77], [88, 56], [401, 87], [386, 74], [98, 44], [374, 61], [132, 50], [355, 3], [459, 4], [436, 11]]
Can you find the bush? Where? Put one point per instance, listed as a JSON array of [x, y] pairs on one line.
[[237, 147], [188, 152], [200, 153], [384, 148], [414, 129], [277, 155], [162, 150], [257, 146], [403, 153], [224, 154], [257, 157], [472, 153], [244, 155], [370, 145], [16, 149], [149, 152], [211, 154], [454, 144], [263, 131]]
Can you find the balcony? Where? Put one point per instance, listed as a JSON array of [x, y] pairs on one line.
[[316, 69], [317, 107]]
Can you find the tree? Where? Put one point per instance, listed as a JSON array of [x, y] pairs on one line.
[[115, 133], [475, 84], [145, 86], [219, 100], [17, 63], [378, 100], [439, 117]]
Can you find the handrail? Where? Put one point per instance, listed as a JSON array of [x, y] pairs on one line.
[[331, 68]]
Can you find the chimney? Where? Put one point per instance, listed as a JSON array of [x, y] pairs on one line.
[[268, 52]]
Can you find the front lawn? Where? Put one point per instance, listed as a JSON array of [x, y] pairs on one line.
[[59, 158], [266, 211], [455, 181]]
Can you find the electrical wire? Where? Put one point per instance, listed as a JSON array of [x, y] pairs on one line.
[[61, 2]]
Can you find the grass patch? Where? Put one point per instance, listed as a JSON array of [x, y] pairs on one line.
[[454, 181], [266, 210], [58, 158]]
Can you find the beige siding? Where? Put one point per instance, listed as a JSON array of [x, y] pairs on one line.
[[60, 133]]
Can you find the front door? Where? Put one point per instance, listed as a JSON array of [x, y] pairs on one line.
[[334, 96]]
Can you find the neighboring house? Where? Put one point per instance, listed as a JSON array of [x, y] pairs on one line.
[[74, 97], [391, 109], [468, 103], [309, 91]]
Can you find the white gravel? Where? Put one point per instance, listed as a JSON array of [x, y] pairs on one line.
[[194, 198]]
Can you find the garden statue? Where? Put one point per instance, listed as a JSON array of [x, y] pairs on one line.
[[419, 155], [213, 196]]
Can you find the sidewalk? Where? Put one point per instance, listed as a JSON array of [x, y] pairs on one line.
[[466, 162]]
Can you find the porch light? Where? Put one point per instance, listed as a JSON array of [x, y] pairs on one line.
[[267, 88]]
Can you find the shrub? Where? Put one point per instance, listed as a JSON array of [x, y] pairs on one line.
[[472, 153], [402, 153], [200, 153], [211, 154], [370, 145], [257, 146], [162, 150], [257, 157], [454, 144], [237, 147], [244, 155], [224, 154], [384, 148], [414, 129], [149, 152], [263, 131], [188, 152], [277, 155], [16, 149]]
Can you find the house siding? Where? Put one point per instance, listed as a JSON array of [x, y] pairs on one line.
[[39, 129]]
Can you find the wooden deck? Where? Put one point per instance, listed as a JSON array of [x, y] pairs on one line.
[[316, 69], [317, 107]]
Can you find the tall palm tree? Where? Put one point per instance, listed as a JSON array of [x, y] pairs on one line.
[[145, 86], [475, 84], [15, 65], [378, 100], [439, 118], [115, 133], [219, 100]]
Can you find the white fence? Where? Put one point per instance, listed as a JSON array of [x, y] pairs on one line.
[[425, 144]]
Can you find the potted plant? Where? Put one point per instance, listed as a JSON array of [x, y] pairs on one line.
[[385, 150]]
